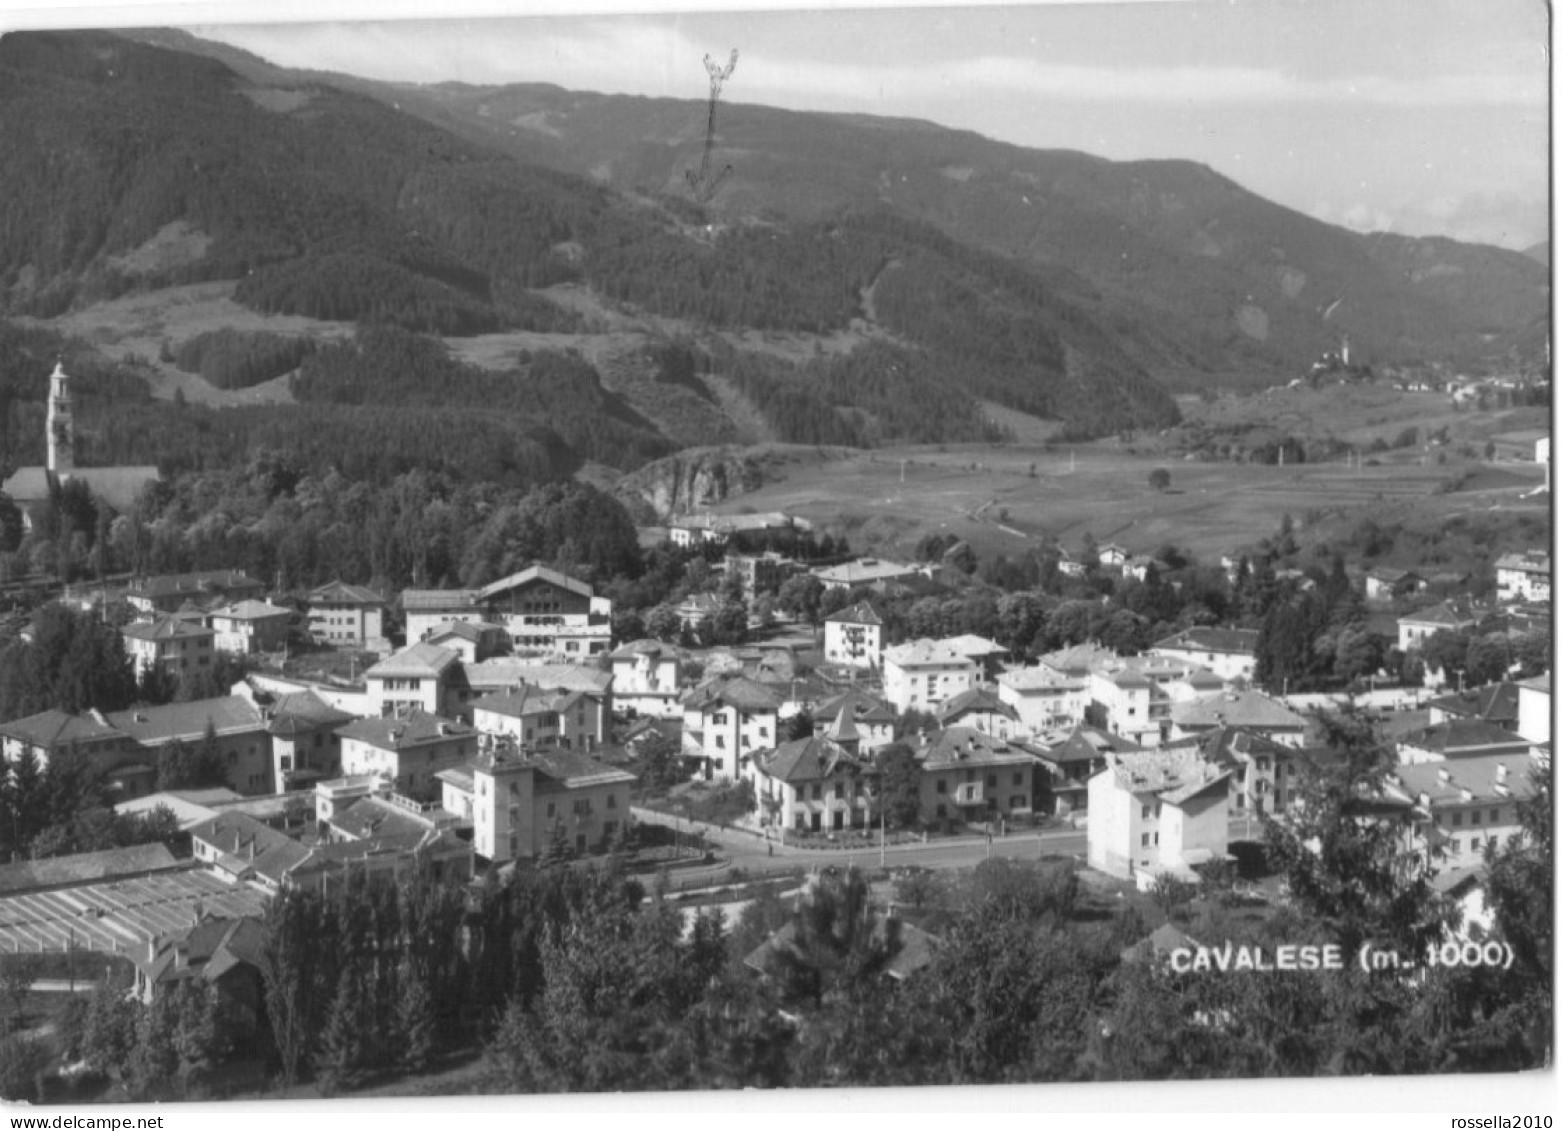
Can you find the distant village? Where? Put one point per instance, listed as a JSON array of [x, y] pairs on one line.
[[505, 726]]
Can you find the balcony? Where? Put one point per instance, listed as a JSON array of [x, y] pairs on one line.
[[968, 793]]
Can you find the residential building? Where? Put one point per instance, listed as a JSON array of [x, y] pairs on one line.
[[988, 655], [1462, 806], [235, 724], [471, 641], [1496, 703], [1249, 710], [1231, 653], [227, 953], [536, 718], [854, 637], [1525, 577], [407, 751], [761, 573], [1160, 811], [696, 607], [1414, 628], [1112, 556], [48, 731], [547, 611], [924, 673], [1459, 739], [871, 718], [510, 673], [420, 677], [1044, 698], [347, 616], [865, 571], [180, 647], [814, 785], [1384, 583], [725, 723], [249, 627], [208, 589], [518, 804], [1264, 772], [1137, 694], [1535, 714], [980, 709], [646, 679], [427, 609], [1068, 760], [974, 778], [305, 746], [696, 530]]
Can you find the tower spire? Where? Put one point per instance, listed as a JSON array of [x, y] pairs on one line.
[[61, 427]]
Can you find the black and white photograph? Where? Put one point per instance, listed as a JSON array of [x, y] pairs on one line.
[[892, 548]]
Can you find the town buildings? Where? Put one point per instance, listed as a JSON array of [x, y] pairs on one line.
[[974, 778], [1524, 577], [646, 679], [814, 784], [347, 616], [1157, 812], [178, 646], [920, 675], [854, 637]]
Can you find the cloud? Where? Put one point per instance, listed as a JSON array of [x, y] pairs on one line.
[[1500, 219]]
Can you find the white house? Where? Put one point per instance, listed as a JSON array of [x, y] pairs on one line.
[[1156, 812], [1250, 710], [1416, 627], [1464, 805], [924, 673], [1044, 698], [419, 677], [853, 637], [1231, 653], [249, 627], [407, 752], [1524, 577], [1535, 708], [535, 718], [814, 785], [178, 646], [646, 679], [725, 723], [346, 615], [871, 717]]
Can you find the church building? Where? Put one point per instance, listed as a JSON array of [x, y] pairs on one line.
[[29, 487]]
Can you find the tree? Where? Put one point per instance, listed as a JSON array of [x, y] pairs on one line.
[[342, 1059], [1160, 480], [1342, 848], [414, 1021], [900, 785]]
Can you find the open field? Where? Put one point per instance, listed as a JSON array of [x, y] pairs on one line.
[[887, 500]]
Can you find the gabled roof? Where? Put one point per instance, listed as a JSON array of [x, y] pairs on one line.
[[245, 845], [1494, 777], [860, 613], [1531, 561], [251, 610], [1441, 615], [964, 746], [1078, 659], [1040, 677], [974, 646], [301, 712], [865, 708], [528, 701], [979, 700], [1232, 641], [229, 714], [741, 693], [168, 586], [372, 817], [418, 661], [508, 672], [1457, 735], [926, 653], [208, 949], [1237, 709], [437, 600], [417, 728], [862, 571], [164, 628], [561, 770], [341, 593], [529, 576], [808, 760], [461, 630], [1087, 744], [646, 647], [52, 729], [842, 729], [1495, 703], [85, 867]]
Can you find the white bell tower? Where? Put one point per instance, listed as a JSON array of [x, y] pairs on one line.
[[62, 430]]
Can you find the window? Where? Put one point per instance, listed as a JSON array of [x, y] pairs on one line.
[[942, 787], [1019, 777], [515, 789], [840, 789], [1453, 845], [941, 811], [550, 808], [612, 801], [992, 781], [1458, 819], [818, 791], [1144, 840], [1475, 817], [1496, 815], [1144, 812]]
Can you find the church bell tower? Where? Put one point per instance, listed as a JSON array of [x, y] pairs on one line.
[[62, 431]]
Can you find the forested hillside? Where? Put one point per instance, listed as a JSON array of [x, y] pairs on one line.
[[329, 205]]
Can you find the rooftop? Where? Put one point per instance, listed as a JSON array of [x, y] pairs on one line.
[[164, 628], [86, 867], [340, 593], [809, 760], [437, 600], [251, 610], [1174, 776], [1237, 709], [529, 576], [1494, 777], [978, 699], [53, 728], [965, 746], [1232, 641], [1457, 735], [418, 661], [860, 613], [926, 653], [417, 728], [189, 721]]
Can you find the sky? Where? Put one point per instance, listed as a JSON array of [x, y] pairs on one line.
[[1424, 117]]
